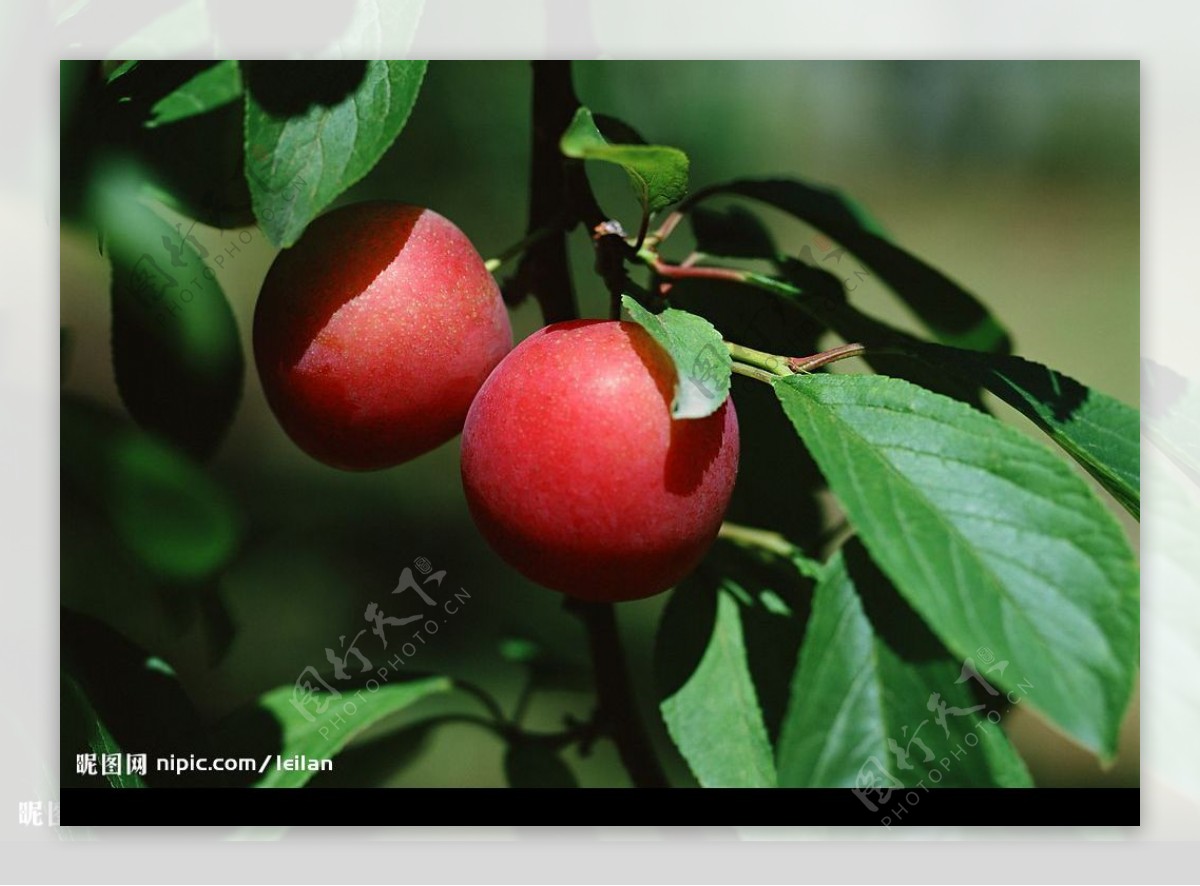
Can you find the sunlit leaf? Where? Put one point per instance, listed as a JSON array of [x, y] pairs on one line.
[[702, 362], [211, 88], [315, 128], [994, 541], [714, 717], [861, 710], [658, 174], [306, 734]]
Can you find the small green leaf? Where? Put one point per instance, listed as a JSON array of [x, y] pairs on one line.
[[951, 313], [993, 540], [301, 154], [714, 718], [211, 88], [659, 174], [733, 233], [301, 731], [702, 362], [862, 711], [532, 765]]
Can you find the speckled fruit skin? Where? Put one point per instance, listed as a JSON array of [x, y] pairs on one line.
[[374, 332], [578, 477]]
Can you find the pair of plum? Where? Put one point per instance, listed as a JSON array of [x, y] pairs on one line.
[[381, 335]]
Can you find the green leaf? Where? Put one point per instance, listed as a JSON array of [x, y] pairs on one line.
[[300, 735], [951, 313], [121, 70], [301, 155], [532, 765], [1098, 431], [177, 354], [714, 718], [702, 362], [658, 174], [861, 710], [211, 88], [995, 542], [83, 732], [162, 507], [733, 233]]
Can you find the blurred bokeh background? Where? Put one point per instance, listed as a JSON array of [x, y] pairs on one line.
[[1018, 179]]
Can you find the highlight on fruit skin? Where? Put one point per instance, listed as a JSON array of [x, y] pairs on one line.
[[578, 477], [373, 334]]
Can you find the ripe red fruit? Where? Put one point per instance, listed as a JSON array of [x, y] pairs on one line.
[[374, 332], [576, 473]]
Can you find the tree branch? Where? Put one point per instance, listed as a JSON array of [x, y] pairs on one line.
[[544, 270], [559, 186]]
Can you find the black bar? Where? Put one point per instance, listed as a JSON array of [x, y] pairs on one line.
[[243, 807]]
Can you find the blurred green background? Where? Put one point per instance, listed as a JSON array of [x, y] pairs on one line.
[[1018, 179]]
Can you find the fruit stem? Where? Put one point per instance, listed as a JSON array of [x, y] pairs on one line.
[[752, 372], [533, 237], [772, 364], [767, 367]]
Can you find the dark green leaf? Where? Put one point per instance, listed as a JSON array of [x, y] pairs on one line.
[[302, 153], [195, 165], [301, 736], [734, 233], [702, 362], [132, 695], [177, 354], [951, 313], [211, 88], [714, 717], [162, 507], [862, 710], [992, 540], [533, 765], [659, 174], [83, 732]]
